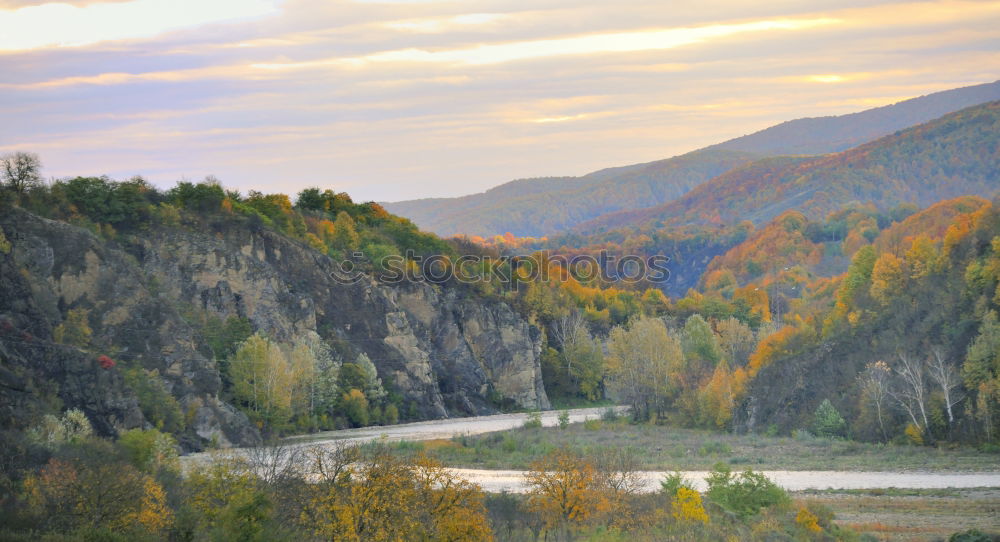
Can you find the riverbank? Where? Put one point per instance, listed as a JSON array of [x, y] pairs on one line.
[[504, 444]]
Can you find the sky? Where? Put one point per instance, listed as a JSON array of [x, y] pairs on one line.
[[399, 99]]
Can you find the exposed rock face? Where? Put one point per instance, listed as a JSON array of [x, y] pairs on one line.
[[444, 350]]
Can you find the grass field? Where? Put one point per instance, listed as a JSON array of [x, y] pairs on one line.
[[917, 515], [671, 448]]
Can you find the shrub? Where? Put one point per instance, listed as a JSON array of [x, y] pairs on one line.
[[807, 520], [972, 535], [744, 494], [914, 434], [563, 419], [593, 425], [673, 482], [533, 421], [150, 450], [157, 405], [714, 448]]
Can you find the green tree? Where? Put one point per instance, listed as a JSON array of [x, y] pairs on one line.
[[311, 199], [206, 196], [699, 341], [859, 274], [981, 373], [581, 361], [247, 518], [827, 422], [355, 407], [345, 235]]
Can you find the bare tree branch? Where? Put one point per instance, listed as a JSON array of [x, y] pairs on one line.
[[946, 377]]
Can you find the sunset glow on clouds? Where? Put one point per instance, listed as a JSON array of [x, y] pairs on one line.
[[394, 100], [61, 24]]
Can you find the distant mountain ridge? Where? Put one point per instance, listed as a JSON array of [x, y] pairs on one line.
[[543, 206], [955, 155], [536, 207], [842, 132]]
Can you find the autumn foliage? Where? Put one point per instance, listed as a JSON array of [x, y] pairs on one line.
[[105, 362]]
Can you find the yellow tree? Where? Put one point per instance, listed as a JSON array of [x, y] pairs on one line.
[[923, 258], [641, 360], [888, 278], [75, 331], [386, 498], [566, 489], [737, 341], [453, 507], [154, 515], [70, 495], [345, 236], [718, 396], [304, 378], [263, 379], [213, 486]]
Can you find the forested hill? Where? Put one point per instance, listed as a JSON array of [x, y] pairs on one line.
[[544, 206], [536, 207], [955, 155]]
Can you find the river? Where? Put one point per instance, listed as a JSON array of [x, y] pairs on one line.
[[513, 480]]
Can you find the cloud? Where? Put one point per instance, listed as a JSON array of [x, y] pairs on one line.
[[619, 42], [438, 25], [70, 25], [401, 100]]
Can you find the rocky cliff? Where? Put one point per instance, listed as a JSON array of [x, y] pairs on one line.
[[444, 350]]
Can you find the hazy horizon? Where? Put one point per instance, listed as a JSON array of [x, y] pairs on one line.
[[395, 100]]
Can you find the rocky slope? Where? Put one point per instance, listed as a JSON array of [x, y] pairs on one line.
[[444, 351]]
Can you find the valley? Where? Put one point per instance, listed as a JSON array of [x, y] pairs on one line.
[[821, 362]]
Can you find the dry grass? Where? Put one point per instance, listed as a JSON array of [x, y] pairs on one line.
[[914, 516]]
